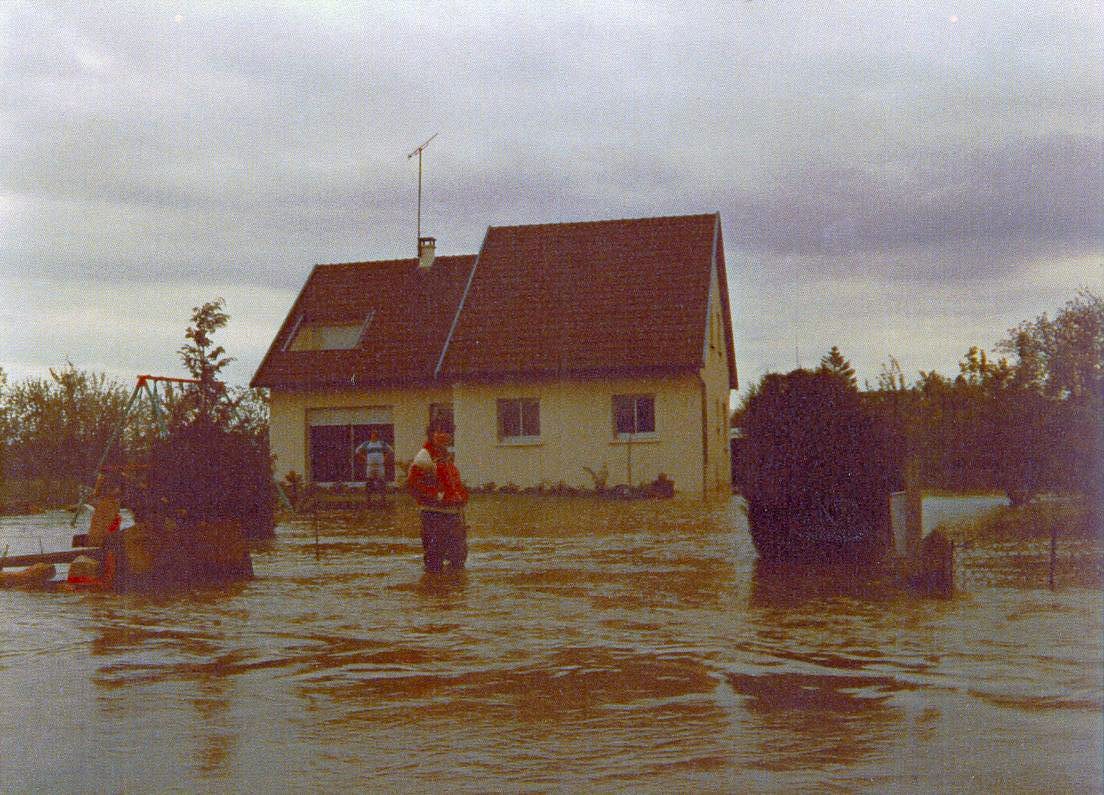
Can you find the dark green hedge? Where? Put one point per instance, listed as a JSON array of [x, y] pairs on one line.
[[817, 470], [202, 472]]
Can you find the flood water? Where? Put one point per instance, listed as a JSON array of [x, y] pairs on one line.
[[588, 646]]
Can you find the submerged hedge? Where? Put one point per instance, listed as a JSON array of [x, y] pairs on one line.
[[818, 467], [205, 473]]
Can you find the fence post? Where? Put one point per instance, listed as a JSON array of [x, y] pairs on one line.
[[1053, 555]]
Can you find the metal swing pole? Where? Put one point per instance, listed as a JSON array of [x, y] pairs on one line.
[[158, 415], [85, 490], [143, 384]]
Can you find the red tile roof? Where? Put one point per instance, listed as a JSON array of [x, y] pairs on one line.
[[413, 313], [549, 300], [592, 297]]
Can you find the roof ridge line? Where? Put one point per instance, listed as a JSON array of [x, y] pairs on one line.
[[604, 221], [406, 260]]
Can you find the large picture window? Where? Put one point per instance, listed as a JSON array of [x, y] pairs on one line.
[[633, 415], [334, 435], [518, 419], [332, 448]]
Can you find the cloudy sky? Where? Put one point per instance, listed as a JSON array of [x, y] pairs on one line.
[[897, 178]]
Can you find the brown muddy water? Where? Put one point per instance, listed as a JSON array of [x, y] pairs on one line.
[[589, 646]]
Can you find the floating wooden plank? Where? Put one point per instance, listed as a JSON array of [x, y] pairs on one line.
[[62, 556]]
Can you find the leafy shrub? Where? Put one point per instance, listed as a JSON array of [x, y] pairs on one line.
[[600, 477], [205, 473], [818, 469], [292, 484], [660, 488]]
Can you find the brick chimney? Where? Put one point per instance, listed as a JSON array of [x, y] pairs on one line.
[[426, 248]]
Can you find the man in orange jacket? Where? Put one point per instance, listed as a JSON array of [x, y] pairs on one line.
[[434, 481]]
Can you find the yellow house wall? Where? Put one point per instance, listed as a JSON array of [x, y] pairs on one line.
[[576, 419], [288, 430], [714, 374]]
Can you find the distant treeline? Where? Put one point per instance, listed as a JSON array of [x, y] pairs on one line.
[[54, 430], [1028, 422]]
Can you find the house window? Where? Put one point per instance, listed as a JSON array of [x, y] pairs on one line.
[[329, 336], [441, 414], [518, 419], [633, 415], [332, 452]]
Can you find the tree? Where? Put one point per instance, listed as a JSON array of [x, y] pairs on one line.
[[891, 378], [251, 410], [56, 428], [214, 466], [4, 435], [834, 364], [1063, 357], [205, 360], [1058, 380]]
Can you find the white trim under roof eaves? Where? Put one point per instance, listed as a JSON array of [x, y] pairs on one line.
[[460, 307]]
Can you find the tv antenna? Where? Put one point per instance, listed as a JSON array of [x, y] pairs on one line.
[[418, 152]]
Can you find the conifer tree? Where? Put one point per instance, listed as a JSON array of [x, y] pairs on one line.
[[205, 360], [834, 364]]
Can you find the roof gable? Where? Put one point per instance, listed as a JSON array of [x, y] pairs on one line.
[[546, 300], [586, 298]]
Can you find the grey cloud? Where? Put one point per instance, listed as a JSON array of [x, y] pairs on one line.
[[245, 144], [1040, 191]]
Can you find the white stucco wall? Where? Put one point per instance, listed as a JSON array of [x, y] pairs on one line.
[[714, 373], [577, 431]]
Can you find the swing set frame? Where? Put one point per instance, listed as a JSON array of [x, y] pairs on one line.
[[147, 385]]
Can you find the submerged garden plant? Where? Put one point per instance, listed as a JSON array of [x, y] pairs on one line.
[[214, 464], [207, 484]]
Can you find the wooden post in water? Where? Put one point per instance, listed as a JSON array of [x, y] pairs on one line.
[[914, 509], [1053, 555], [317, 552]]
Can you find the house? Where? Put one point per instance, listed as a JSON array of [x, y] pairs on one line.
[[557, 349]]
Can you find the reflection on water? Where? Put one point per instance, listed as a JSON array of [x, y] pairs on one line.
[[821, 720], [589, 645], [789, 585]]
